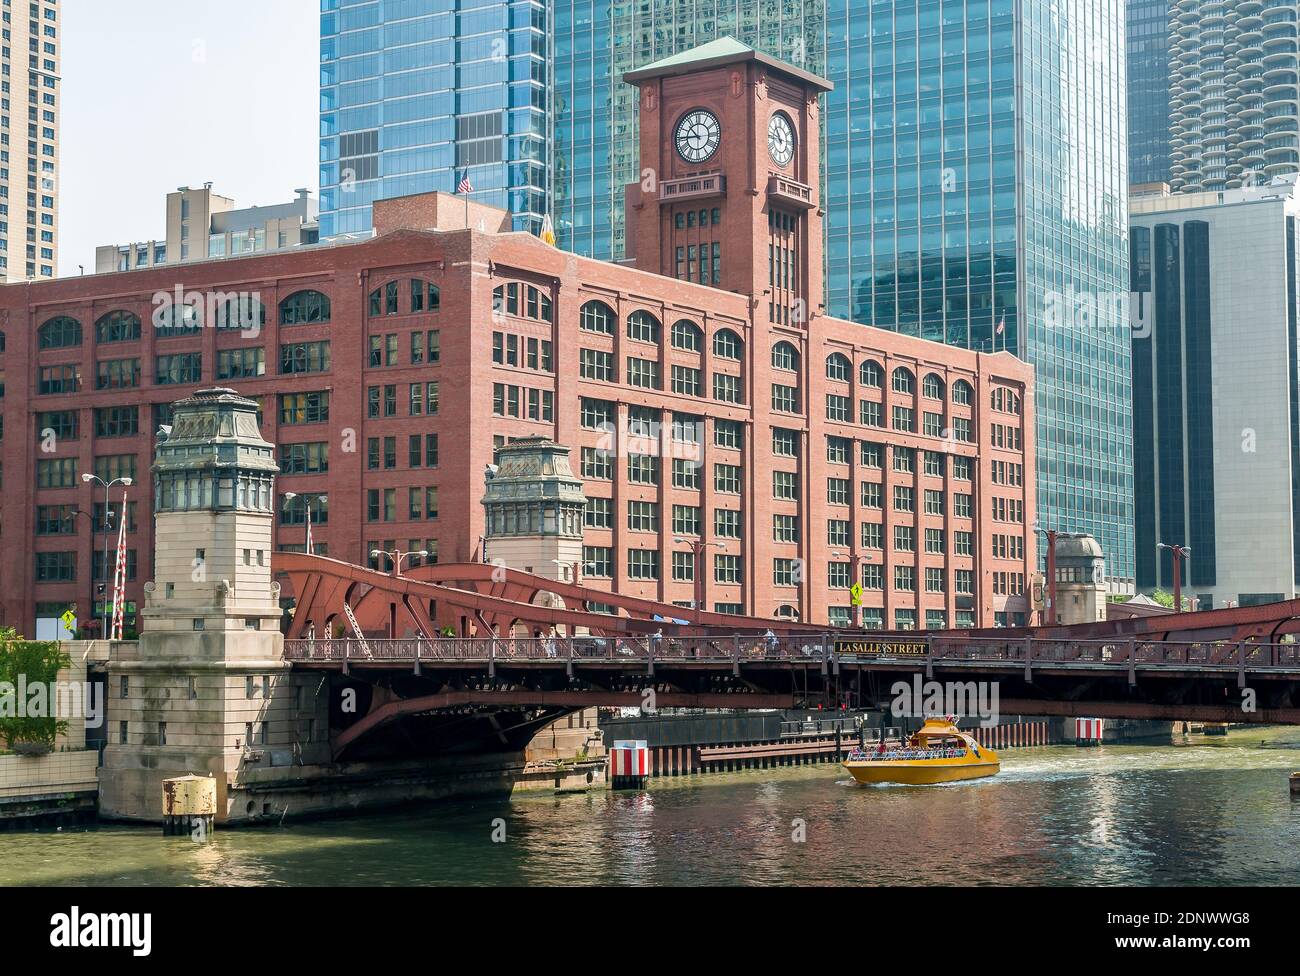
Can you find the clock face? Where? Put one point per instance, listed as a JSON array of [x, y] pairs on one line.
[[698, 134], [780, 139]]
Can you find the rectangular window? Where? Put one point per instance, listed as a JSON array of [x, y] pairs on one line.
[[727, 478], [726, 569], [596, 364], [785, 485], [686, 520], [597, 464], [785, 528], [726, 523], [726, 388], [305, 408], [643, 564], [599, 514], [598, 562], [785, 443], [643, 516]]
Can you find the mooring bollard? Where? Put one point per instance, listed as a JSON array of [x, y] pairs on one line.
[[189, 806]]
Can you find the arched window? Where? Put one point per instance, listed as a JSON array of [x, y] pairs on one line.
[[383, 300], [643, 327], [962, 392], [59, 333], [425, 296], [904, 381], [932, 386], [727, 345], [170, 319], [686, 335], [597, 317], [838, 366], [871, 374], [241, 313], [786, 612], [785, 356], [117, 326], [305, 307]]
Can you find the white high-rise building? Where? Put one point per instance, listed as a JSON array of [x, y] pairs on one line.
[[1216, 390], [29, 153], [1233, 106]]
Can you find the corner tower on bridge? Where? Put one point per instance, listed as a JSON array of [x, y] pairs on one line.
[[206, 690]]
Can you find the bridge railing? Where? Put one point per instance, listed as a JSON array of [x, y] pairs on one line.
[[750, 648]]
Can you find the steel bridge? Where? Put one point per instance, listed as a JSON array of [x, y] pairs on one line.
[[1236, 665]]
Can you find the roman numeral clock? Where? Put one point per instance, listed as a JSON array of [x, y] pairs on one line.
[[698, 135]]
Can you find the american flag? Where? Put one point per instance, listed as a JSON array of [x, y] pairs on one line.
[[119, 577], [464, 185], [1002, 323]]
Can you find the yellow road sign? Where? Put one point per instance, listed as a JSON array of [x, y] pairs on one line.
[[855, 594]]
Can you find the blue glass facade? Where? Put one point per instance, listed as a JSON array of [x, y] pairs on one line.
[[1148, 90], [975, 186], [976, 177], [416, 94]]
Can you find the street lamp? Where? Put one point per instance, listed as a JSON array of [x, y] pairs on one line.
[[307, 498], [697, 546], [1051, 534], [858, 576], [568, 568], [108, 525], [71, 519], [1178, 553], [397, 555]]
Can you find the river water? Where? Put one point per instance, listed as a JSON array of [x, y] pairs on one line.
[[1198, 811]]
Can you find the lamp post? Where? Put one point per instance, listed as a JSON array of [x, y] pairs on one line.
[[88, 478], [1050, 614], [397, 555], [307, 498], [71, 519], [1178, 553], [860, 562], [697, 547]]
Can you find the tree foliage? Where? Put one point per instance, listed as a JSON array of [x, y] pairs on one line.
[[24, 662]]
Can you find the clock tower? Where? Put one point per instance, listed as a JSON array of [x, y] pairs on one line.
[[729, 194]]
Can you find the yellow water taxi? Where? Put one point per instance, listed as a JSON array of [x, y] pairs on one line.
[[938, 752]]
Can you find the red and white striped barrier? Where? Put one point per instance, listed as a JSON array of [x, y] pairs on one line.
[[1087, 731], [629, 764]]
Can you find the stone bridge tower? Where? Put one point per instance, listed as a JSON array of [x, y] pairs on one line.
[[534, 507], [206, 690]]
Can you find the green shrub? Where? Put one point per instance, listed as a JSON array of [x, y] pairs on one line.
[[39, 661]]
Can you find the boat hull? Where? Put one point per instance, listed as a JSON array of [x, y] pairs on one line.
[[920, 773]]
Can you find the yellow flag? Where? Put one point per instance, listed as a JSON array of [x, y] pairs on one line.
[[548, 231]]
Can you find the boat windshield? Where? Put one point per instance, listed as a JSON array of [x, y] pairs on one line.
[[907, 752]]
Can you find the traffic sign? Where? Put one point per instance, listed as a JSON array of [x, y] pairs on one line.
[[855, 594], [69, 620]]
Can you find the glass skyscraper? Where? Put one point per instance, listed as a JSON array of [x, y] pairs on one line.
[[975, 187], [977, 195], [417, 94], [596, 133], [1148, 91]]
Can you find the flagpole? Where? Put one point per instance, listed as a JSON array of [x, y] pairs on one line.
[[119, 575]]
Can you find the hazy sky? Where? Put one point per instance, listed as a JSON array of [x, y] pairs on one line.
[[165, 93]]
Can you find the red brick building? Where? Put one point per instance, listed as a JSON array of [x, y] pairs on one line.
[[712, 409]]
